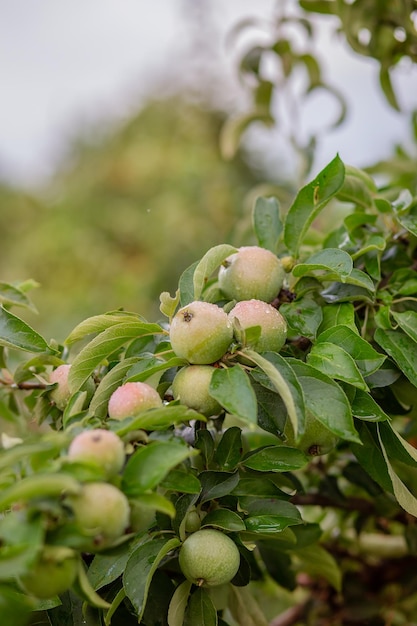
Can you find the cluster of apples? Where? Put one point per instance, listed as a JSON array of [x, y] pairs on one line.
[[202, 332]]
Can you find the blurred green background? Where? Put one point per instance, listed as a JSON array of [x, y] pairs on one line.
[[128, 211]]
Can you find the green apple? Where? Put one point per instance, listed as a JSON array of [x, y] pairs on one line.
[[99, 447], [316, 439], [102, 513], [272, 324], [132, 399], [209, 558], [191, 387], [251, 272], [53, 573], [201, 333]]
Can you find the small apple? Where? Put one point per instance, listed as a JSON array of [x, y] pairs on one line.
[[316, 439], [191, 387], [251, 272], [53, 573], [62, 393], [99, 447], [102, 512], [132, 399], [273, 326], [209, 558], [200, 333]]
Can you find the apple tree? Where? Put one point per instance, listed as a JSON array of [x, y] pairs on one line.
[[279, 481]]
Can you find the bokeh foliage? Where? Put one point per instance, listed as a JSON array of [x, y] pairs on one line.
[[128, 211]]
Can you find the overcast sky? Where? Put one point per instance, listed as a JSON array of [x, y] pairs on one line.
[[64, 63]]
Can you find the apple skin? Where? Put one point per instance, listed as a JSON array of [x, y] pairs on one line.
[[102, 512], [191, 387], [316, 439], [132, 399], [200, 333], [100, 447], [52, 574], [62, 393], [251, 273], [258, 313], [209, 558]]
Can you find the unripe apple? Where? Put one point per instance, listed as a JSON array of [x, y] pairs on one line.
[[102, 512], [316, 439], [200, 333], [53, 573], [191, 387], [99, 447], [251, 272], [132, 399], [192, 521], [61, 393], [209, 558], [273, 326]]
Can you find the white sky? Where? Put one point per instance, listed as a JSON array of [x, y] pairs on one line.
[[64, 63]]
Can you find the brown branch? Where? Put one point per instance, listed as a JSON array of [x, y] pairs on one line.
[[349, 504]]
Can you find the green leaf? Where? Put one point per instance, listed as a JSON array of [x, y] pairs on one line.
[[217, 484], [224, 519], [178, 604], [99, 323], [205, 443], [200, 609], [144, 368], [155, 502], [333, 261], [386, 86], [403, 495], [267, 223], [260, 486], [244, 608], [186, 285], [15, 608], [149, 465], [407, 321], [409, 219], [327, 402], [208, 264], [15, 333], [342, 314], [234, 127], [156, 419], [396, 446], [401, 348], [366, 357], [231, 387], [371, 458], [304, 316], [284, 381], [268, 523], [364, 407], [310, 200], [140, 569], [85, 590], [106, 568], [184, 482], [271, 506], [335, 362], [168, 304], [10, 295], [229, 449], [318, 563], [275, 459], [103, 346]]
